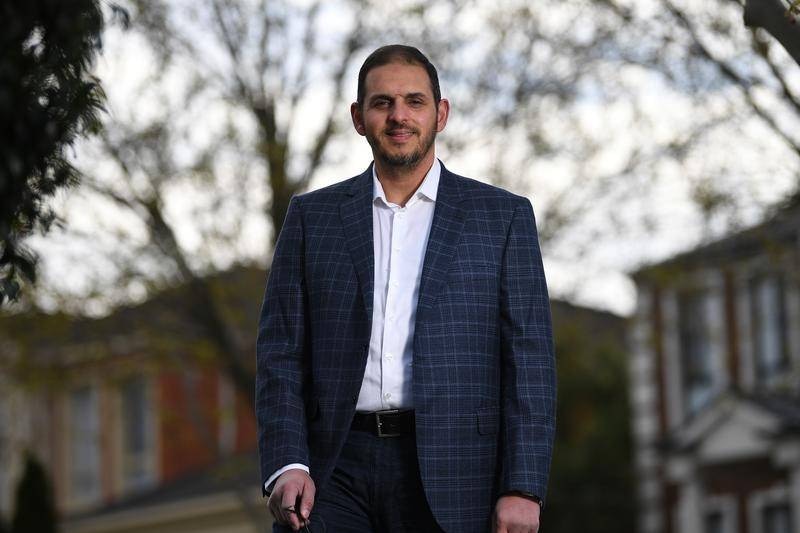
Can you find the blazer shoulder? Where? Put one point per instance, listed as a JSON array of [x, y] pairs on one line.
[[480, 192], [329, 197], [327, 193]]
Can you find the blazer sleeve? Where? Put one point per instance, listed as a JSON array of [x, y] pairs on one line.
[[280, 353], [528, 361]]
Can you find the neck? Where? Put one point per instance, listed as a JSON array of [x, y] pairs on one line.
[[400, 183]]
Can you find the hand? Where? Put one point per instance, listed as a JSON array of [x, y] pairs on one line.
[[515, 514], [294, 490]]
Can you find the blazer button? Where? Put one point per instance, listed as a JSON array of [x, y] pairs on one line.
[[355, 400]]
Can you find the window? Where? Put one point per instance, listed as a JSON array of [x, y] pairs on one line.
[[136, 433], [695, 346], [4, 460], [776, 518], [84, 446], [768, 318], [715, 523]]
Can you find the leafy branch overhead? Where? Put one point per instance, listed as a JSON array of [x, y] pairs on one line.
[[48, 99]]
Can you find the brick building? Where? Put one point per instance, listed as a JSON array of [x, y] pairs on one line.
[[142, 431], [715, 374], [132, 416]]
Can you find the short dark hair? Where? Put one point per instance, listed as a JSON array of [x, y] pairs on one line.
[[397, 53]]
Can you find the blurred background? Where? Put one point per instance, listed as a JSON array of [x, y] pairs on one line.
[[149, 152]]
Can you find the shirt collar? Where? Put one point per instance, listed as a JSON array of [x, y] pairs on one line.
[[427, 189]]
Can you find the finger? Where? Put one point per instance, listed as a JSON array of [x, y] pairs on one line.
[[274, 505], [502, 526], [291, 518], [288, 501], [276, 508], [307, 498]]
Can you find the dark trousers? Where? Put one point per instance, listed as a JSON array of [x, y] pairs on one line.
[[375, 487]]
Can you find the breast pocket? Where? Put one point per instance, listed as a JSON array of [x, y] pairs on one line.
[[469, 272]]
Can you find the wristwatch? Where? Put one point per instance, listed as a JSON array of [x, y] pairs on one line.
[[523, 494]]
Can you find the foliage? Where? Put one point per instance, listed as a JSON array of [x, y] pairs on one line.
[[626, 122], [48, 100], [35, 510], [592, 484]]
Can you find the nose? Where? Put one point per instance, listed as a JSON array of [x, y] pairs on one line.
[[399, 111]]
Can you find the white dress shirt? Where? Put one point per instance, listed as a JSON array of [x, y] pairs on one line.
[[399, 240]]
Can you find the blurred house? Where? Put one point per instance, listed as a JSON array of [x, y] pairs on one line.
[[133, 416], [715, 385], [143, 431]]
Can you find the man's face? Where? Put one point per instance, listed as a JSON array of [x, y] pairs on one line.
[[398, 115]]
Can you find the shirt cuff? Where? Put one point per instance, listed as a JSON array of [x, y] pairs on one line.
[[273, 477]]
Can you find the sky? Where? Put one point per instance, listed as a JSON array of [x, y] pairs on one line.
[[643, 220]]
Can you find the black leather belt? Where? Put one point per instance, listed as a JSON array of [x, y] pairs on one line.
[[389, 423]]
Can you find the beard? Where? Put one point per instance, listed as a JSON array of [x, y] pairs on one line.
[[403, 160]]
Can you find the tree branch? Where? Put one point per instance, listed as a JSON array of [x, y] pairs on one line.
[[762, 49], [330, 124], [771, 16], [732, 76]]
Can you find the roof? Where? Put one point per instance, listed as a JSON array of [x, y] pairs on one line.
[[786, 407], [772, 415], [174, 315], [776, 234]]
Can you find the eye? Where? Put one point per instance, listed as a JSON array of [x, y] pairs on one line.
[[380, 103], [416, 102]]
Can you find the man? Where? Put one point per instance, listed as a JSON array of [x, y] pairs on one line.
[[406, 376]]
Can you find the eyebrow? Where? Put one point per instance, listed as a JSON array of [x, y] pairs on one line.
[[406, 96]]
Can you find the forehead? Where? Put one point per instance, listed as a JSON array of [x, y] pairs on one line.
[[397, 78]]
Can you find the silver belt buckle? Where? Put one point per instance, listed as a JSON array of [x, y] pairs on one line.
[[379, 423]]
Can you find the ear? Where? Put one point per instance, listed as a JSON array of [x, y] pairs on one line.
[[358, 119], [442, 112]]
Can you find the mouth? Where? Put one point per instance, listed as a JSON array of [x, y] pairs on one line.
[[400, 135]]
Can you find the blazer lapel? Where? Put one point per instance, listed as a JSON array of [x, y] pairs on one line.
[[356, 215], [448, 220]]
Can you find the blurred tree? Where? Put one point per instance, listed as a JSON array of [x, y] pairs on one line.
[[48, 99], [34, 509], [591, 487], [216, 133], [600, 108]]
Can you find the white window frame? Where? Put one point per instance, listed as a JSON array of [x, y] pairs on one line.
[[747, 364], [725, 505], [760, 277], [78, 497], [778, 495], [148, 476], [711, 282]]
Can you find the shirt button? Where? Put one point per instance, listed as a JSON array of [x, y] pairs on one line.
[[388, 396], [389, 357]]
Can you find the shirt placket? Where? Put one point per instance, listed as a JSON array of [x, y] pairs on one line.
[[392, 346]]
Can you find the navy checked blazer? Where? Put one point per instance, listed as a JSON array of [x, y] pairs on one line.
[[483, 361]]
